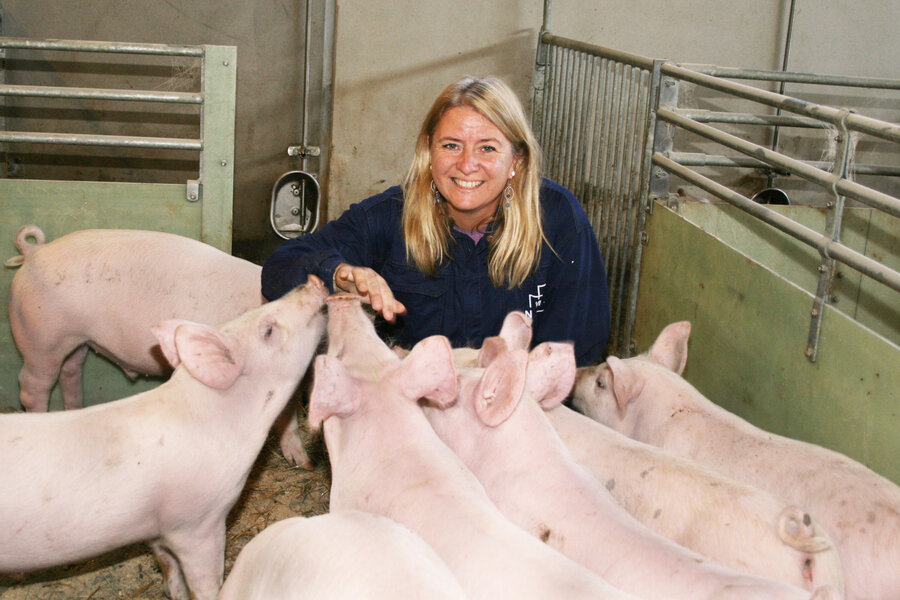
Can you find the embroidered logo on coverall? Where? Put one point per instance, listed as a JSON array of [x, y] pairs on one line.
[[535, 302]]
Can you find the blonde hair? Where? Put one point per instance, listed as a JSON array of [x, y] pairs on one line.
[[515, 243]]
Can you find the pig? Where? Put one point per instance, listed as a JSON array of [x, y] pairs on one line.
[[646, 398], [386, 459], [347, 554], [735, 524], [103, 289], [164, 466], [509, 444]]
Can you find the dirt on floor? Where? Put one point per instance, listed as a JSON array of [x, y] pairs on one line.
[[274, 491]]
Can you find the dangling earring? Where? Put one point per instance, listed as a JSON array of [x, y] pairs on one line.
[[508, 194], [435, 193]]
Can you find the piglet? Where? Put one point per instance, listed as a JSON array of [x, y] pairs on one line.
[[700, 508], [646, 398], [103, 289], [164, 466], [735, 524], [386, 459], [348, 554], [511, 447]]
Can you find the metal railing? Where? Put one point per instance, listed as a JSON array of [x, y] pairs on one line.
[[213, 107], [606, 121]]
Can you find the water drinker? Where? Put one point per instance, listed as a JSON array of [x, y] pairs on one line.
[[294, 209]]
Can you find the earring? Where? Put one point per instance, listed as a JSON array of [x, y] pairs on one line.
[[508, 194], [435, 193]]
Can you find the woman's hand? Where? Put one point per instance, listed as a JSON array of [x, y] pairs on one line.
[[371, 286]]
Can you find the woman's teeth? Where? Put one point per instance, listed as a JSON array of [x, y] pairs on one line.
[[467, 184]]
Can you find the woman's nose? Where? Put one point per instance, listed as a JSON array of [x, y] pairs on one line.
[[467, 162]]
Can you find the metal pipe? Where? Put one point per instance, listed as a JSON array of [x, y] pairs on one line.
[[823, 243], [862, 193], [793, 77], [77, 93], [635, 60], [77, 139], [89, 46], [835, 116], [709, 116], [700, 159]]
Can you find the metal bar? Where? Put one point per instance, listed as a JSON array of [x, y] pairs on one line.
[[846, 187], [651, 103], [824, 244], [699, 159], [90, 46], [78, 139], [710, 116], [835, 116], [77, 93], [794, 77], [635, 60]]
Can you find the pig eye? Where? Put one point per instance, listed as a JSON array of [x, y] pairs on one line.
[[600, 383], [268, 332]]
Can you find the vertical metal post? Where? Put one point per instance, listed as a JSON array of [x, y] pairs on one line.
[[833, 223]]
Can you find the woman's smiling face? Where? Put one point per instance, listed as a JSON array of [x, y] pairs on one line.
[[471, 161]]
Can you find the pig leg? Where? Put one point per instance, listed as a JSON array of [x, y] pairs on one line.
[[289, 437], [35, 382], [70, 378], [175, 587], [201, 554]]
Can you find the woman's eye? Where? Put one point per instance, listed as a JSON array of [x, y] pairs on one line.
[[449, 146], [488, 149]]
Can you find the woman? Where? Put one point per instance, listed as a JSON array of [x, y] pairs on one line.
[[473, 234]]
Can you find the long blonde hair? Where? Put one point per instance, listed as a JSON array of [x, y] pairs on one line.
[[515, 243]]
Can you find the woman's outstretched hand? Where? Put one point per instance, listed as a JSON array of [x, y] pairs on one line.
[[371, 287]]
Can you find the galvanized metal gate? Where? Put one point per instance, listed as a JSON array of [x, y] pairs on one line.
[[607, 119]]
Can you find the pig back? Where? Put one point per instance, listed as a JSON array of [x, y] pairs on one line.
[[108, 287]]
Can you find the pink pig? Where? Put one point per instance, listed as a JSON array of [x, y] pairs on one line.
[[514, 451], [103, 289], [646, 398], [164, 466], [733, 523], [346, 554], [386, 459]]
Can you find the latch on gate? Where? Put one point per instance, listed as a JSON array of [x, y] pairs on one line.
[[192, 193]]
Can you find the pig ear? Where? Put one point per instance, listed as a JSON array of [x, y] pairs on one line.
[[211, 357], [491, 348], [332, 391], [501, 387], [428, 372], [671, 347], [626, 384], [516, 330], [551, 373], [165, 334]]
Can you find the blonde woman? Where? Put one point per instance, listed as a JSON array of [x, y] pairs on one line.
[[472, 234]]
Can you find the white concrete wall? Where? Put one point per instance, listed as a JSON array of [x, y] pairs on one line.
[[392, 59]]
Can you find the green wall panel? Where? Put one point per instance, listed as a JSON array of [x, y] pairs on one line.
[[59, 207], [749, 334]]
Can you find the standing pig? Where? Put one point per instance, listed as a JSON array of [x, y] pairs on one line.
[[164, 466], [386, 459], [104, 289], [348, 554], [646, 398], [512, 448]]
